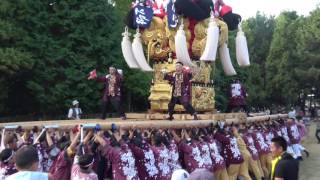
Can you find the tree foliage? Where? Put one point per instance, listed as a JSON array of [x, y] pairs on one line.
[[259, 31], [307, 69], [14, 57], [65, 40]]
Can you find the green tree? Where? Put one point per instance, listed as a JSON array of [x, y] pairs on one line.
[[307, 69], [65, 40], [68, 39], [15, 59], [282, 88], [123, 6], [259, 31]]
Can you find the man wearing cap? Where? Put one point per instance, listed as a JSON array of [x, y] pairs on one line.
[[112, 92], [181, 83], [75, 112]]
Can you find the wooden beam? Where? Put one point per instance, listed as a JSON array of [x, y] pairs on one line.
[[143, 124]]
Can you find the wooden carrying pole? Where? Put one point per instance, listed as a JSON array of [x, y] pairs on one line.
[[142, 124]]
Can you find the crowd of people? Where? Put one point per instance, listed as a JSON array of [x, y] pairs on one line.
[[219, 152]]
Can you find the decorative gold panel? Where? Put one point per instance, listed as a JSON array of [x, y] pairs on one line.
[[203, 97], [202, 92]]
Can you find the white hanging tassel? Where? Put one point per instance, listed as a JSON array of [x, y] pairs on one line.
[[137, 50], [210, 51], [181, 47], [242, 49], [226, 60], [127, 50]]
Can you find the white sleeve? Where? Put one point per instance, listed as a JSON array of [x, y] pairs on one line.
[[35, 135], [2, 145], [70, 113], [76, 159]]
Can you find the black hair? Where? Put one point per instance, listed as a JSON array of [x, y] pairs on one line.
[[19, 129], [137, 139], [26, 156], [35, 129], [85, 160], [293, 119], [168, 135], [63, 142], [165, 140], [114, 142], [209, 130], [64, 145], [145, 135], [107, 134], [125, 136], [280, 142], [42, 137], [94, 146], [179, 62], [203, 132], [157, 138], [136, 132], [5, 155], [194, 134], [281, 121]]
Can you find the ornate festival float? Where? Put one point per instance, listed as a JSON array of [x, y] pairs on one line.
[[194, 32]]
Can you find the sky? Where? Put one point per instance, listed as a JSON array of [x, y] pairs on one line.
[[248, 8]]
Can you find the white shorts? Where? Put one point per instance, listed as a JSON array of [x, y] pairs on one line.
[[297, 150]]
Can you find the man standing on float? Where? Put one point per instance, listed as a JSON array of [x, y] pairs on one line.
[[181, 83], [238, 97], [112, 91]]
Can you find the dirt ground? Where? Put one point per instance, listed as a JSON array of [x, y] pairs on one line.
[[310, 167]]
